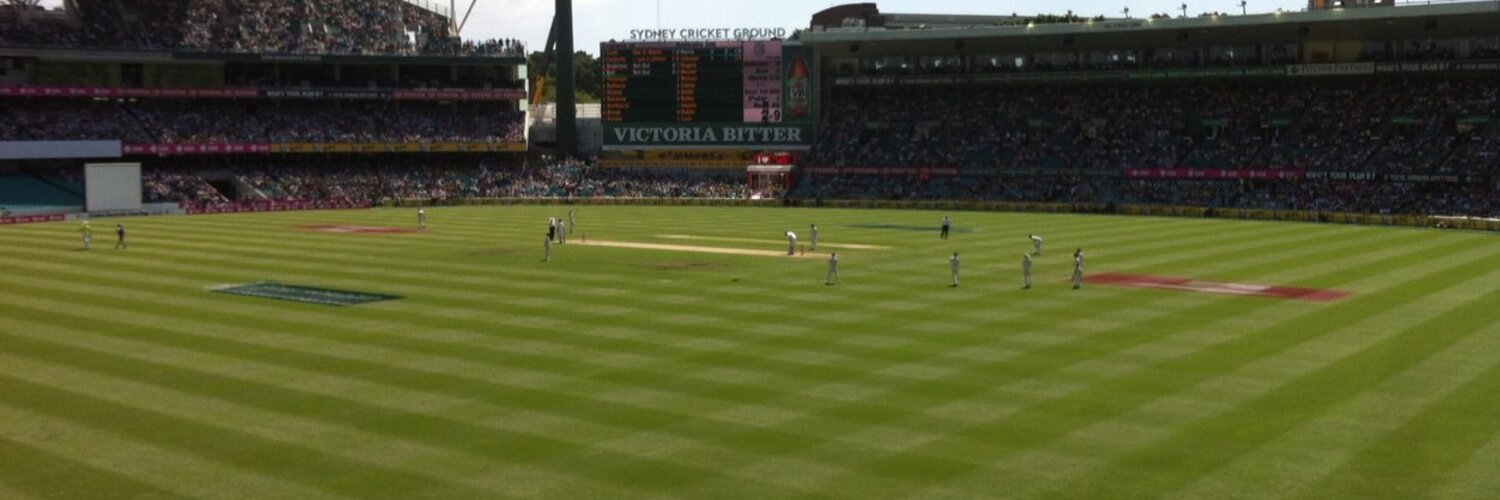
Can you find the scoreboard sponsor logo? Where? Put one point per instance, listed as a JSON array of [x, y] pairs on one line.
[[1331, 69], [701, 34], [707, 135]]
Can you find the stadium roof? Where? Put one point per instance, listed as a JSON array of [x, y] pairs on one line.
[[906, 34]]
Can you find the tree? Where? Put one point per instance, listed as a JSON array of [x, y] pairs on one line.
[[585, 75]]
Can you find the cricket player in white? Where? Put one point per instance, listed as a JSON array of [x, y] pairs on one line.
[[791, 243], [953, 265], [87, 232], [562, 232], [947, 221], [1078, 269], [547, 249], [572, 219], [421, 218], [833, 269], [1026, 271], [1036, 244], [814, 236]]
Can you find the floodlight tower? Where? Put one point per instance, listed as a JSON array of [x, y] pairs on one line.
[[558, 50], [567, 104]]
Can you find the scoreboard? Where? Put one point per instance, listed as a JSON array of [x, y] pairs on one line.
[[692, 82]]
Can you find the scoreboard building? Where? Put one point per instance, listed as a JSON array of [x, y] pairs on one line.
[[705, 104]]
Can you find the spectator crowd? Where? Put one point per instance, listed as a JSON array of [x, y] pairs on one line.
[[371, 181], [369, 27], [1373, 125]]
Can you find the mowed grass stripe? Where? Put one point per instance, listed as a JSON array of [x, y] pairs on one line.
[[1217, 359], [440, 383], [1052, 419], [1414, 460], [1209, 394], [428, 429], [903, 358], [945, 452], [143, 298], [445, 464], [293, 462], [44, 474], [1330, 441], [1221, 438], [774, 380], [1475, 478], [102, 451]]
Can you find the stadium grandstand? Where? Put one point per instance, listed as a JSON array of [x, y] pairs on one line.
[[355, 27], [1379, 110], [231, 86]]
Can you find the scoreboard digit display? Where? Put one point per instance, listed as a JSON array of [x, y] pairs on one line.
[[692, 82]]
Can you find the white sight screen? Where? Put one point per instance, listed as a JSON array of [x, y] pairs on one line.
[[112, 186]]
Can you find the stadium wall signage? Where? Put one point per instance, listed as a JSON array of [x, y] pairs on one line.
[[1336, 69], [883, 171], [699, 34], [787, 136], [187, 55], [240, 93], [310, 147], [42, 150], [30, 219], [1209, 173]]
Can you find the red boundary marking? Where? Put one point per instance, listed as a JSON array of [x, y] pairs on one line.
[[1215, 287], [347, 229]]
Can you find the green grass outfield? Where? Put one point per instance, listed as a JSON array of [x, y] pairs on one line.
[[620, 373]]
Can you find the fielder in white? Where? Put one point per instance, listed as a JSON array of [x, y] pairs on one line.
[[572, 219], [547, 249], [421, 218], [1078, 269], [953, 265], [814, 231], [833, 270], [1036, 244], [562, 232], [791, 243], [1026, 271], [87, 232]]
